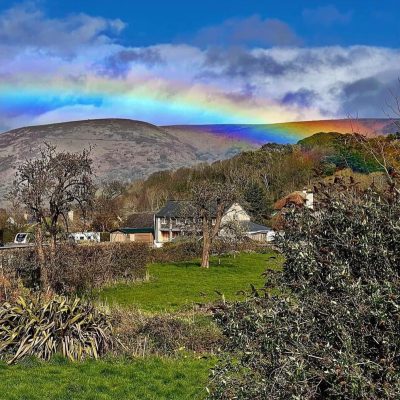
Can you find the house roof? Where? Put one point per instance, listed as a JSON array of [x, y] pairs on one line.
[[140, 220], [296, 198], [252, 227], [183, 208], [134, 230], [173, 209]]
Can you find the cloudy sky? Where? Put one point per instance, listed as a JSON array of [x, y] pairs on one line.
[[184, 62]]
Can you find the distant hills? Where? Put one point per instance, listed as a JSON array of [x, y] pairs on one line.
[[291, 132], [126, 149]]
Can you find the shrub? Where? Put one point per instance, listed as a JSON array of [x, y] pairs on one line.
[[141, 335], [334, 334], [80, 268], [177, 251], [35, 326]]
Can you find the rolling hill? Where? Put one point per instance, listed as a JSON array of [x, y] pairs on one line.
[[122, 149], [127, 150]]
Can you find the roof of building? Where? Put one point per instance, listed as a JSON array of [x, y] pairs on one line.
[[140, 220], [134, 230], [182, 208], [174, 208], [252, 227], [295, 198]]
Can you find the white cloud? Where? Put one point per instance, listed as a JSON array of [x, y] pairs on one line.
[[73, 68]]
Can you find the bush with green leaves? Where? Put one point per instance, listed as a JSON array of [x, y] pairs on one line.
[[333, 330], [40, 327]]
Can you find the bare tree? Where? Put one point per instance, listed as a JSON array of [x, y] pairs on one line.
[[108, 204], [210, 200], [49, 186]]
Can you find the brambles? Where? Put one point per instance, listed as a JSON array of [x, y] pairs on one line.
[[40, 327], [332, 333]]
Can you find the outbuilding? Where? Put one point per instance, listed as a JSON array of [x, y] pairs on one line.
[[139, 235]]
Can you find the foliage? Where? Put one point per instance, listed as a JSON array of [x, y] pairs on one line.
[[209, 201], [333, 333], [165, 334], [257, 203], [41, 327], [177, 251], [79, 268], [49, 186], [107, 206]]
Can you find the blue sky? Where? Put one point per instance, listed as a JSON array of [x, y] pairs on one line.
[[317, 23], [208, 61]]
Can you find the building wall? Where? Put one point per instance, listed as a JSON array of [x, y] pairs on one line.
[[119, 237], [143, 238], [236, 213]]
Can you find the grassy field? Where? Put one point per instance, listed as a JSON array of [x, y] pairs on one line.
[[181, 285], [173, 288], [141, 379]]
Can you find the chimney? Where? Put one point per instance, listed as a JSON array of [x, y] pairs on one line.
[[309, 198]]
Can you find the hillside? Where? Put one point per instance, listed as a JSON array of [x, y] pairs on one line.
[[122, 149], [128, 150], [283, 133]]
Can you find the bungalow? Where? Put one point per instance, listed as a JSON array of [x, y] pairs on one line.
[[170, 222], [139, 228]]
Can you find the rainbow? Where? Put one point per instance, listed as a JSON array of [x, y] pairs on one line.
[[292, 132], [140, 95], [158, 100]]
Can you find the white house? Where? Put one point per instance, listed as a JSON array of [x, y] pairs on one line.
[[169, 222]]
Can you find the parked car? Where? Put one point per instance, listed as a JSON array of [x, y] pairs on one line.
[[23, 238]]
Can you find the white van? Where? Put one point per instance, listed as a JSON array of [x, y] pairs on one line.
[[79, 237]]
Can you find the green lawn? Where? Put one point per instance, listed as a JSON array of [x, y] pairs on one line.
[[181, 285], [141, 379], [172, 288]]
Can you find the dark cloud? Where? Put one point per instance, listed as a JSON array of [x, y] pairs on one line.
[[302, 98], [369, 97], [327, 15], [251, 31], [119, 64], [238, 62]]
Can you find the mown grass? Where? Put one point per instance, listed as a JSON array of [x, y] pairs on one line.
[[148, 378], [178, 286]]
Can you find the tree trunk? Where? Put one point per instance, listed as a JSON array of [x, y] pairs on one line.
[[205, 259], [44, 279], [53, 245]]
